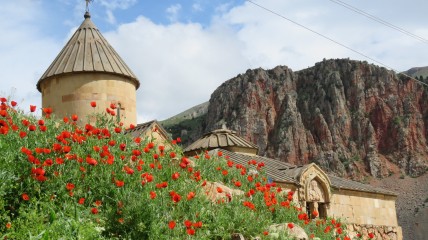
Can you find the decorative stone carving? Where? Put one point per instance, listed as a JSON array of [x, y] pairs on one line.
[[315, 193], [315, 185]]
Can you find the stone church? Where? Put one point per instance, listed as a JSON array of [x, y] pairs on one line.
[[89, 69]]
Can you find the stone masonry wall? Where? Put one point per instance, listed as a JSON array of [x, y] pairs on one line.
[[379, 232], [72, 94], [363, 208]]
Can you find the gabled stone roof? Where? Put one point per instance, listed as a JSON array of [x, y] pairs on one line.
[[88, 51], [272, 167], [220, 138], [288, 173], [342, 183], [142, 128]]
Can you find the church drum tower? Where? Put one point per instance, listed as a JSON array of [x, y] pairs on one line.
[[88, 69]]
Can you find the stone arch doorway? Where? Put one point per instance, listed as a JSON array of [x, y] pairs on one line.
[[316, 204], [314, 193]]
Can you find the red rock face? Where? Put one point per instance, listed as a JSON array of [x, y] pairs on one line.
[[350, 117]]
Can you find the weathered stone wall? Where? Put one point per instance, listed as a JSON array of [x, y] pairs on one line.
[[72, 94], [363, 208], [379, 232]]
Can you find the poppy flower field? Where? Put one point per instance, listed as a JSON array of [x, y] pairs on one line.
[[63, 180]]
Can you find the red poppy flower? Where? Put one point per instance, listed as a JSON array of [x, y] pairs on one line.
[[93, 104], [149, 178], [290, 225], [188, 223], [94, 210], [3, 113], [32, 128], [220, 153], [81, 201], [91, 161], [66, 149], [112, 106], [152, 195], [74, 117], [119, 183], [59, 161], [265, 233], [13, 103], [178, 140], [190, 195], [117, 129], [25, 197], [32, 108], [371, 235], [175, 197], [8, 225], [69, 186], [22, 134], [131, 126], [314, 213], [327, 229], [128, 170], [122, 146], [171, 224], [190, 231], [219, 189], [47, 111], [172, 154], [98, 203], [238, 183], [175, 176]]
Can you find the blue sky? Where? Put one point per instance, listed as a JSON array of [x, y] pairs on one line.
[[181, 51]]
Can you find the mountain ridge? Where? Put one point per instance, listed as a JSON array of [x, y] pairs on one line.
[[352, 118]]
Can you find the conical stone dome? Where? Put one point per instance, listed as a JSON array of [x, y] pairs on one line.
[[88, 51], [87, 70], [223, 139]]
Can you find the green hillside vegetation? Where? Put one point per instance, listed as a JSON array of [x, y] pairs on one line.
[[185, 128], [420, 73], [189, 114]]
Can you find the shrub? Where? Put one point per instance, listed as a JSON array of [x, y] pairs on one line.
[[63, 181]]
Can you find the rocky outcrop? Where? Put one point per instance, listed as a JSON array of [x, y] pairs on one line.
[[350, 117]]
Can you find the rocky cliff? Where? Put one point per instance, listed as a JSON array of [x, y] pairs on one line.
[[350, 117]]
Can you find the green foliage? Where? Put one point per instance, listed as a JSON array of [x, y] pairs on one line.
[[63, 181]]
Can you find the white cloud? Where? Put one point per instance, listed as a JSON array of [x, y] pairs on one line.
[[173, 12], [24, 51], [180, 64]]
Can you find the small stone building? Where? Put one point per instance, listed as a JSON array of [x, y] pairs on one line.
[[89, 69], [151, 130], [365, 208]]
